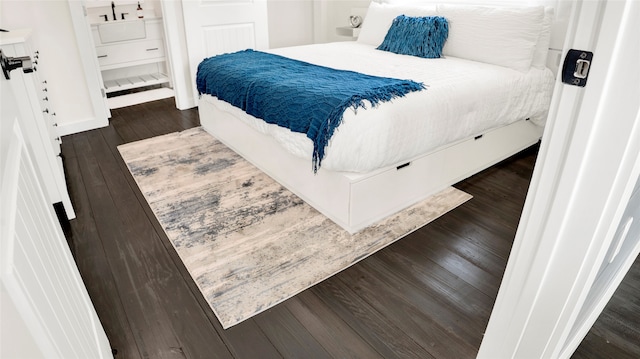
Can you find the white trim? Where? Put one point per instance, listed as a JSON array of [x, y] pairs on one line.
[[70, 128], [140, 97], [320, 21], [609, 279], [577, 195], [177, 56], [89, 59]]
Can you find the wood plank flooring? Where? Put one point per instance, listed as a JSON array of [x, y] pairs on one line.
[[428, 295]]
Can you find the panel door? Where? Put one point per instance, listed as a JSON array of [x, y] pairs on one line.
[[215, 27], [41, 134], [40, 283]]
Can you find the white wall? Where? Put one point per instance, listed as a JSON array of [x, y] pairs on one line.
[[290, 22], [59, 61], [330, 14]]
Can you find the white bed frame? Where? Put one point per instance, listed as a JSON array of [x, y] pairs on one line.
[[353, 200]]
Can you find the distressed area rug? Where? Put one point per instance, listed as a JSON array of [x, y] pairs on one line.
[[248, 242]]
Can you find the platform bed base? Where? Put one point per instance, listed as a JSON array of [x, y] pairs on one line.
[[354, 200]]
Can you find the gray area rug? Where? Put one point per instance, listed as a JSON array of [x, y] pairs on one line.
[[249, 243]]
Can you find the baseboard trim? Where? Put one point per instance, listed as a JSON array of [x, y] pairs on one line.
[[81, 126], [139, 97]]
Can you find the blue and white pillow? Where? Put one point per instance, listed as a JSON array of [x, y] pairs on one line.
[[417, 36]]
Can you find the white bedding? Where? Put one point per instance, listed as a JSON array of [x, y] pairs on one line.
[[463, 99]]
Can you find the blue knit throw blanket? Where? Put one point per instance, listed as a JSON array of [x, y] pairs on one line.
[[303, 97]]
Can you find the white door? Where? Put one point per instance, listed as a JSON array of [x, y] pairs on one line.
[[45, 309], [215, 27], [38, 122], [579, 232]]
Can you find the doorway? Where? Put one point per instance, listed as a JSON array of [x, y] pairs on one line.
[[129, 42], [123, 44]]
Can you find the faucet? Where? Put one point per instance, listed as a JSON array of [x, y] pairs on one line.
[[113, 10]]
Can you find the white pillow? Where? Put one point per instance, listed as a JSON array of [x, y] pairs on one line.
[[542, 46], [380, 16], [505, 36]]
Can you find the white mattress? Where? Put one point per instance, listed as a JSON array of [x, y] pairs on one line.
[[463, 99]]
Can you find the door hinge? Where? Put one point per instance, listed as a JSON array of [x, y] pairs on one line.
[[575, 69], [104, 93]]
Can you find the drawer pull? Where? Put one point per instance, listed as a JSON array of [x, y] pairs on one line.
[[152, 49], [101, 56], [403, 166]]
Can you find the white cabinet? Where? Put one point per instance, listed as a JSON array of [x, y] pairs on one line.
[[136, 63], [130, 53], [39, 118]]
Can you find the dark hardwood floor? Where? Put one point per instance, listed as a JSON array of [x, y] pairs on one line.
[[428, 295]]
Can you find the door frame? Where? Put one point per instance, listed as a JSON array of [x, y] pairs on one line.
[[175, 40], [583, 179], [177, 55], [92, 74]]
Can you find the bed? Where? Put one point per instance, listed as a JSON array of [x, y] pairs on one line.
[[478, 108]]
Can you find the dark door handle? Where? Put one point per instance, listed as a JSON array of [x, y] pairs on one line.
[[12, 63]]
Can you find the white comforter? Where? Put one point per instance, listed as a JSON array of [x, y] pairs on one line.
[[463, 99]]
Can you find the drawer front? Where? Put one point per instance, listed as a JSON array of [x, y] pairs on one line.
[[130, 52], [154, 29]]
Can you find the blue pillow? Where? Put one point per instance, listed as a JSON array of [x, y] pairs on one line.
[[416, 36]]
